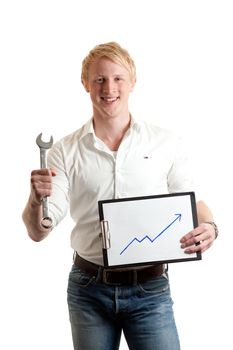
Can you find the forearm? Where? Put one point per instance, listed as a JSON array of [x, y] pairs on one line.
[[204, 214], [32, 216]]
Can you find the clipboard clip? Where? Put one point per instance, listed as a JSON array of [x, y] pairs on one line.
[[105, 234]]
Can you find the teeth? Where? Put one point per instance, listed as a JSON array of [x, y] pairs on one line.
[[110, 99]]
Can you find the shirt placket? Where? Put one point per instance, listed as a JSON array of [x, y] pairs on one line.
[[119, 165], [116, 178]]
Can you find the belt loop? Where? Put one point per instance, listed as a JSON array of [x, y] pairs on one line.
[[99, 277], [74, 256]]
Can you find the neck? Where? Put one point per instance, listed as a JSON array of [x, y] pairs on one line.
[[111, 131]]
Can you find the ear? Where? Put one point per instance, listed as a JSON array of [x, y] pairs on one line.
[[132, 85], [85, 84]]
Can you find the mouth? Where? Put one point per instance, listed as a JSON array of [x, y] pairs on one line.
[[109, 100]]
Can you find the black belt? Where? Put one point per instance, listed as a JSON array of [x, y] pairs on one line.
[[118, 277]]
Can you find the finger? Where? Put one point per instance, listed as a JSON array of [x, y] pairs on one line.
[[42, 171], [53, 172], [201, 247], [195, 232], [41, 178], [192, 240], [38, 185], [41, 185], [195, 241]]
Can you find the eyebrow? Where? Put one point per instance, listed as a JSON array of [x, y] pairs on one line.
[[114, 75]]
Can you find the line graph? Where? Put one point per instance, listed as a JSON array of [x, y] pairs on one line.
[[151, 240]]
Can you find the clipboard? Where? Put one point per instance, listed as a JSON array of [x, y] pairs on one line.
[[147, 230]]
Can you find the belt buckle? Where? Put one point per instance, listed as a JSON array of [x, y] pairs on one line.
[[105, 278]]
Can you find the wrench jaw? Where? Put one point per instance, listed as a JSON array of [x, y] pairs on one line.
[[46, 222], [42, 144]]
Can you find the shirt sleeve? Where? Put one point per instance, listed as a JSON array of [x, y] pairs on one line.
[[180, 176], [59, 200]]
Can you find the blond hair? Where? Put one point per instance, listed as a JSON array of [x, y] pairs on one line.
[[114, 52]]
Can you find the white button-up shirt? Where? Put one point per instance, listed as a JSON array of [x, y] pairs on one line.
[[149, 161]]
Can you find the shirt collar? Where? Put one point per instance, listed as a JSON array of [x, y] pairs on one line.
[[134, 123], [88, 128]]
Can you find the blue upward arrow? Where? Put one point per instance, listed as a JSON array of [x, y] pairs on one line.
[[178, 218]]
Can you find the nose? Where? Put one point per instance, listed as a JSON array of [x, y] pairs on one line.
[[109, 87]]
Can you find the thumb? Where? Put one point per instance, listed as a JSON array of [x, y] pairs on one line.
[[53, 172]]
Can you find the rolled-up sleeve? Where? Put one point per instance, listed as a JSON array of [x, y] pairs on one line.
[[59, 200]]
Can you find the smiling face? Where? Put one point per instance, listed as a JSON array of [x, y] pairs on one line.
[[109, 85]]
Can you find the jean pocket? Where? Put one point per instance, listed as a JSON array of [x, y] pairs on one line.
[[154, 286], [80, 278]]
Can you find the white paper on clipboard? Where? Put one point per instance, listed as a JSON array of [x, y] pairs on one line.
[[145, 230]]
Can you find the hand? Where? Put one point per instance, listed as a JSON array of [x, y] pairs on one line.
[[199, 239], [41, 184]]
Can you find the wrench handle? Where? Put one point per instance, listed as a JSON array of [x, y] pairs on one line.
[[46, 220], [43, 158]]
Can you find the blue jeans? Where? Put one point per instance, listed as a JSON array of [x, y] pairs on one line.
[[99, 313]]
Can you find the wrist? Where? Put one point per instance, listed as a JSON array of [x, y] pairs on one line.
[[212, 223], [34, 202]]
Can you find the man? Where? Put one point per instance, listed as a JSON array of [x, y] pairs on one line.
[[114, 156]]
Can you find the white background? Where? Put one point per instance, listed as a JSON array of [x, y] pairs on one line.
[[183, 53]]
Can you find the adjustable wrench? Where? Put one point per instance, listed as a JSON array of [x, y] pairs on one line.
[[46, 220]]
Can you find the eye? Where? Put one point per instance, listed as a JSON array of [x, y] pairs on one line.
[[99, 80], [118, 78]]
